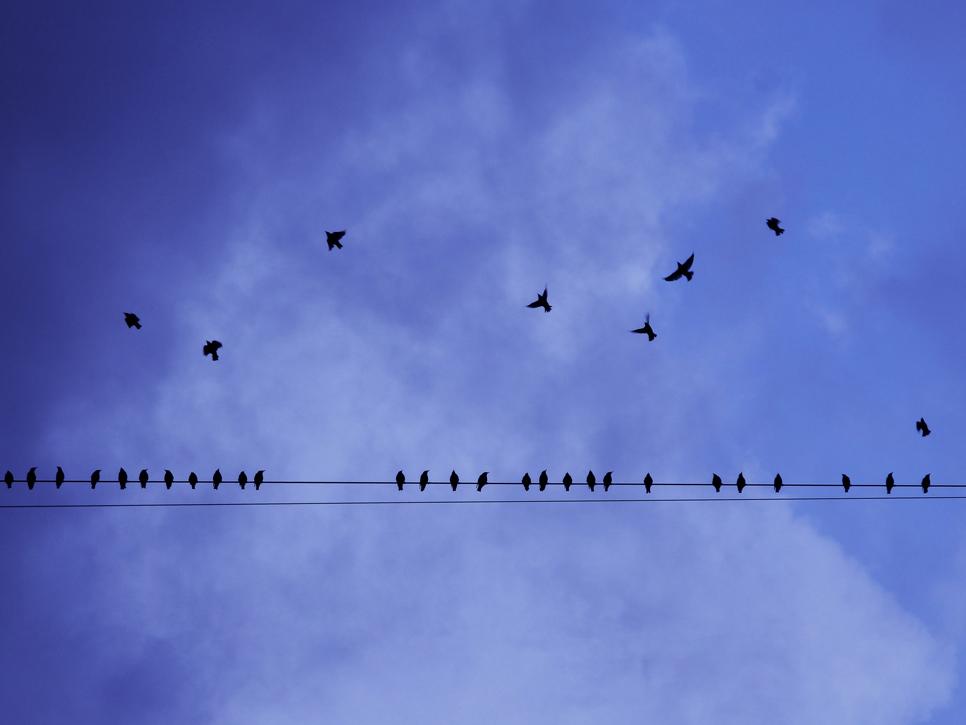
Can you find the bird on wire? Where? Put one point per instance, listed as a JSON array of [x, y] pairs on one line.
[[567, 481], [740, 483], [526, 481], [333, 239], [890, 482], [242, 480], [846, 482], [647, 329], [544, 479], [778, 482], [211, 347], [541, 301], [95, 477], [683, 270], [774, 225], [259, 477], [423, 480], [648, 482], [926, 482], [922, 427], [454, 480], [608, 480], [8, 479], [143, 478], [132, 320], [216, 478], [481, 481], [716, 482], [31, 478], [193, 480], [168, 479], [59, 477], [400, 480], [591, 480], [122, 478]]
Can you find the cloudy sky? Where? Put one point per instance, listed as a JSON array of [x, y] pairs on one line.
[[181, 162]]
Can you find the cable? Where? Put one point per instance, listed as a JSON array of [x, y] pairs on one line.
[[133, 483]]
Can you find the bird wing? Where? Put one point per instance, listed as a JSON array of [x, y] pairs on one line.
[[536, 303], [688, 262], [676, 274], [640, 330]]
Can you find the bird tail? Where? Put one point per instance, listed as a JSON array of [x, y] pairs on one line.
[[779, 231], [137, 325], [689, 274]]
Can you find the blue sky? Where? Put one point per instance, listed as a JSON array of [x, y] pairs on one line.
[[182, 163]]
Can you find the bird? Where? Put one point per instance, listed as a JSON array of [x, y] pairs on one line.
[[526, 481], [8, 479], [332, 239], [567, 480], [122, 478], [31, 478], [481, 481], [132, 320], [216, 478], [143, 478], [773, 224], [608, 480], [591, 480], [922, 427], [683, 270], [400, 480], [890, 482], [740, 482], [168, 478], [543, 479], [716, 482], [193, 479], [211, 348], [258, 479], [778, 482], [648, 482], [846, 482], [95, 477], [242, 480], [647, 329], [541, 301], [423, 480], [926, 483], [59, 477], [453, 480]]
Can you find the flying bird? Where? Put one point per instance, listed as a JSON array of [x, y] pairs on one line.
[[216, 478], [132, 320], [526, 481], [648, 482], [8, 479], [567, 480], [683, 270], [400, 480], [143, 478], [258, 479], [773, 224], [541, 301], [716, 482], [647, 329], [423, 480], [95, 477], [591, 480], [778, 482], [242, 480], [193, 479], [922, 427], [59, 477], [453, 480], [926, 483], [846, 482], [333, 239], [168, 478], [543, 479], [890, 482], [608, 480], [211, 347], [31, 478], [740, 482], [122, 478], [481, 481]]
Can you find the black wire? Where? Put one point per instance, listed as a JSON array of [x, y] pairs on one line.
[[134, 483]]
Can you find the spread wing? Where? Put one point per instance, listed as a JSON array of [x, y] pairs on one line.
[[676, 274], [688, 262]]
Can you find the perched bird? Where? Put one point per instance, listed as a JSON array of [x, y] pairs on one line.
[[541, 301], [481, 481], [132, 320], [591, 480], [543, 479], [647, 329], [258, 479], [648, 482], [143, 478], [740, 482], [526, 481], [242, 480], [59, 477], [216, 478], [423, 480], [926, 483], [846, 482], [400, 480], [772, 224], [683, 270], [193, 479], [453, 480], [211, 348], [890, 482], [122, 478], [95, 477], [922, 427], [608, 480], [778, 482], [332, 239], [8, 479], [716, 482], [567, 480], [31, 478], [168, 478]]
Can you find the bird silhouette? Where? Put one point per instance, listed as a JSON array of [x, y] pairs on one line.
[[453, 480], [259, 477], [647, 329], [242, 480], [543, 479], [567, 480], [8, 479], [541, 301], [95, 477], [740, 482], [648, 482], [122, 478], [773, 224], [716, 482], [481, 481], [683, 270], [526, 481], [922, 427], [168, 478], [211, 347], [608, 480], [591, 480], [193, 479], [890, 482], [132, 320], [846, 482], [31, 478], [400, 480], [333, 239], [778, 482], [143, 478], [59, 477], [423, 480], [216, 478], [926, 483]]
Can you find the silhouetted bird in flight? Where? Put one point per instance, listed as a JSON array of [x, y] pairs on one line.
[[926, 483], [543, 479], [740, 483], [846, 482], [773, 224], [122, 478], [647, 329], [423, 480], [481, 481], [31, 478], [242, 480], [211, 347], [716, 482], [333, 239], [683, 270], [648, 482], [95, 477], [258, 479], [541, 301], [8, 479], [132, 320], [567, 480], [778, 482], [59, 477], [143, 478], [168, 478], [526, 481], [216, 478], [922, 427], [400, 480], [608, 480], [591, 480], [890, 482], [193, 479], [453, 480]]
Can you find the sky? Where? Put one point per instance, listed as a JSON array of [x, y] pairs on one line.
[[181, 162]]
